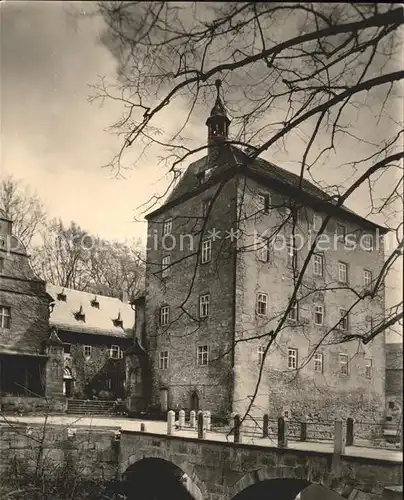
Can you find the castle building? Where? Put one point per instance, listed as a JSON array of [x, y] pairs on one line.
[[221, 268], [93, 332], [24, 328]]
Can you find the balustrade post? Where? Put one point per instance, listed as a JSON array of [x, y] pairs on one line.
[[349, 431], [192, 419], [181, 419], [201, 426], [170, 422], [282, 432], [339, 438], [265, 426], [237, 429]]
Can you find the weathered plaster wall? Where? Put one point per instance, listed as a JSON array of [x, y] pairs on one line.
[[304, 392]]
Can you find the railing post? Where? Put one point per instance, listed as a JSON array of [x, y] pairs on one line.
[[265, 426], [201, 428], [237, 429], [339, 438], [170, 422], [282, 432], [181, 419], [192, 419], [303, 430], [208, 420], [349, 431]]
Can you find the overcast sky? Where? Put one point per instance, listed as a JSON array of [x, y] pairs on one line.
[[54, 139]]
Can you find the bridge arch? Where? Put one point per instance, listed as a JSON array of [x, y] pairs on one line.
[[185, 466], [300, 475]]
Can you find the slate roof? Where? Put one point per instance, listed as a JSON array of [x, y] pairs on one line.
[[97, 321], [232, 158]]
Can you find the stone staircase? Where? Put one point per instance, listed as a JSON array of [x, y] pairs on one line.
[[95, 407]]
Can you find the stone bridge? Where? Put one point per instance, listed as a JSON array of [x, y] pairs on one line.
[[217, 470]]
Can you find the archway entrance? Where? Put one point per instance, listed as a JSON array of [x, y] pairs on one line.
[[194, 401], [286, 489], [273, 489], [157, 479], [67, 382]]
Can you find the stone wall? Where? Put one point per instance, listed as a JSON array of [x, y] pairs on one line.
[[91, 375], [93, 451], [183, 286], [223, 470], [320, 395]]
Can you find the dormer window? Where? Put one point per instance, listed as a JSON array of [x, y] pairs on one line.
[[208, 173], [200, 177], [118, 321], [62, 296], [95, 303], [79, 315]]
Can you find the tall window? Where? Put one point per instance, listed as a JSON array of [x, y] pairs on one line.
[[263, 250], [5, 317], [204, 301], [318, 264], [1, 265], [318, 315], [317, 222], [344, 321], [165, 266], [263, 201], [115, 352], [342, 272], [341, 233], [318, 362], [163, 360], [367, 277], [367, 241], [262, 302], [167, 226], [368, 368], [206, 251], [164, 315], [87, 351], [294, 312], [292, 359], [203, 355], [260, 354], [343, 364]]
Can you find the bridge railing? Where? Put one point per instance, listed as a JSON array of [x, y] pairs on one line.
[[280, 431]]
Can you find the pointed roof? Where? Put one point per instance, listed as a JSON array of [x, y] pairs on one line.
[[99, 321], [218, 108], [233, 161]]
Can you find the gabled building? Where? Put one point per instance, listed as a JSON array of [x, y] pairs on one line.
[[93, 331], [24, 328], [218, 279]]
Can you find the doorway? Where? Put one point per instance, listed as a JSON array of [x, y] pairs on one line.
[[67, 383], [195, 402]]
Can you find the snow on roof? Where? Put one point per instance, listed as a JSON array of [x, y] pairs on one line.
[[101, 320]]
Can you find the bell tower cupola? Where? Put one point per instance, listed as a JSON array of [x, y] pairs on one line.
[[218, 122]]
